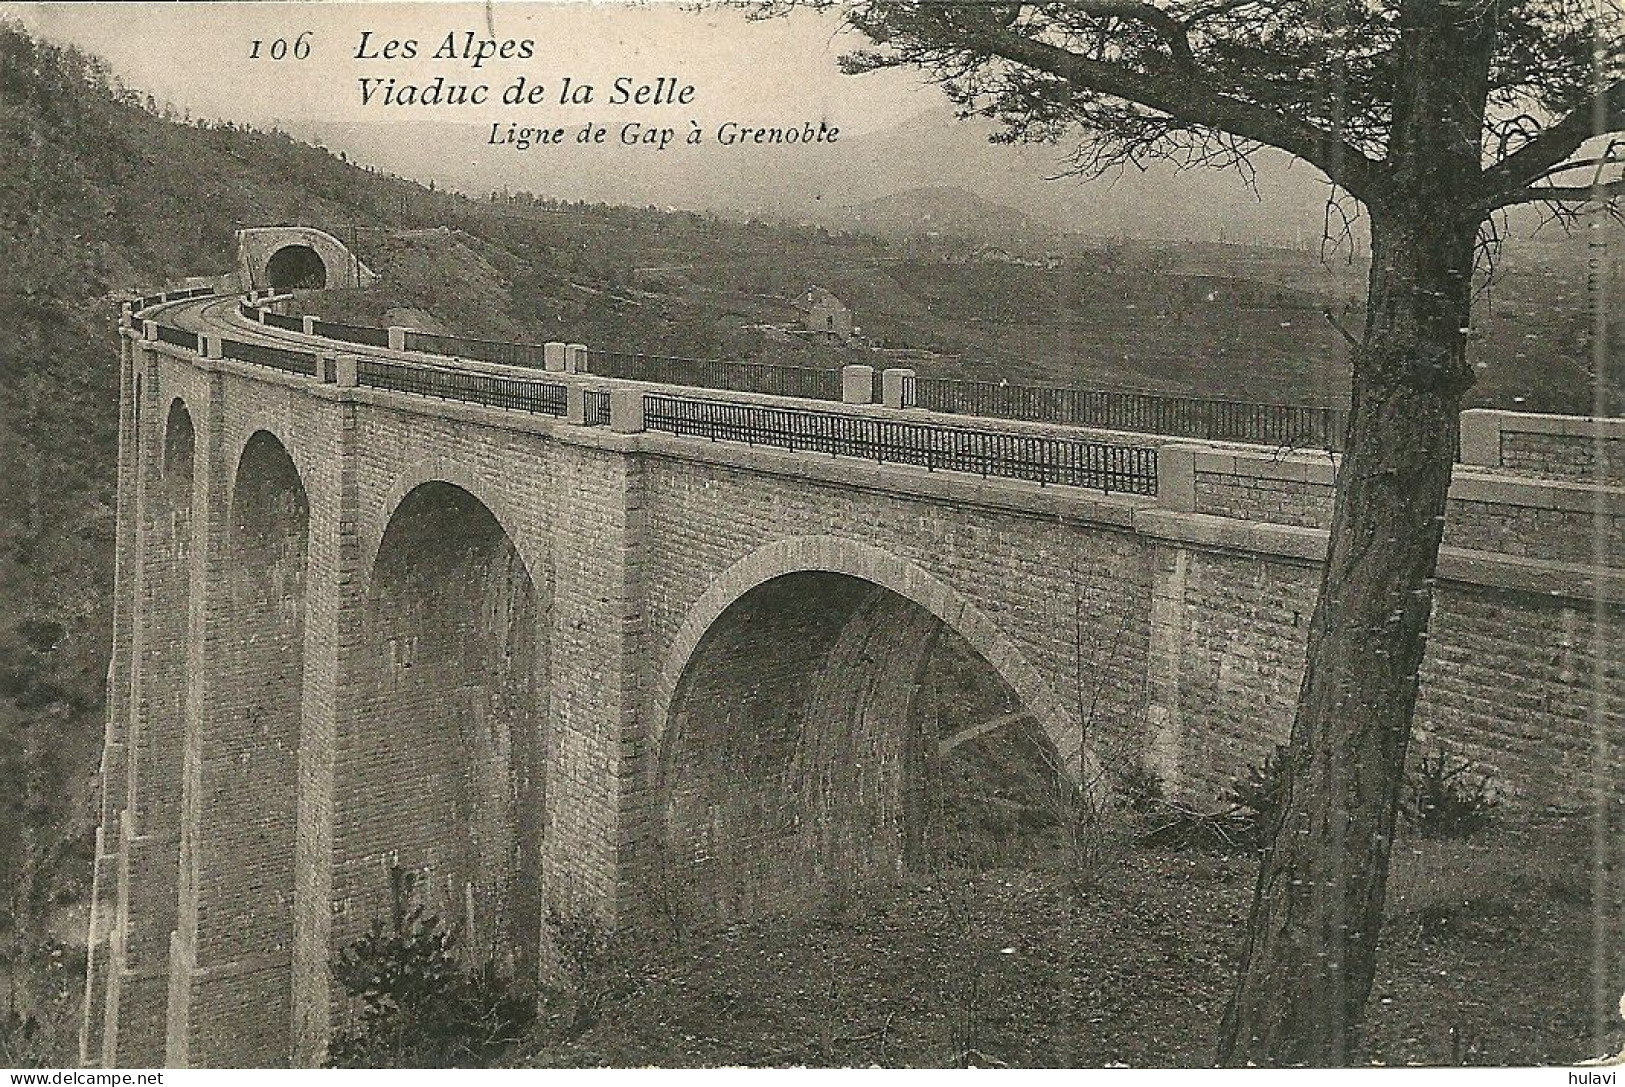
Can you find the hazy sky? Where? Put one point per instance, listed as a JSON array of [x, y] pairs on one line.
[[197, 56]]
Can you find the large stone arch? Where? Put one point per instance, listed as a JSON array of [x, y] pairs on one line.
[[257, 247], [166, 549], [443, 767], [837, 556], [803, 724]]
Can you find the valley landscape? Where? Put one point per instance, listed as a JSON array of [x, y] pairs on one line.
[[980, 272]]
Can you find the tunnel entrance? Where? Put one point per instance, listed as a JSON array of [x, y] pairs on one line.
[[829, 732], [294, 267]]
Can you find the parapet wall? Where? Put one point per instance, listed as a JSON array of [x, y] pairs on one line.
[[1561, 520], [1569, 446]]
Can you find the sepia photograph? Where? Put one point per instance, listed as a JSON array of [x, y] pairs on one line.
[[834, 534]]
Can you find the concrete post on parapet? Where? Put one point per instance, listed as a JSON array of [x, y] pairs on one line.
[[575, 404], [625, 411], [1176, 477], [857, 384], [1481, 437], [553, 357], [575, 358], [126, 316], [344, 367], [897, 387], [149, 330], [209, 347], [397, 337], [310, 324]]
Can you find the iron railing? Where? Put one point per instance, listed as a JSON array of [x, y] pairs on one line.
[[179, 337], [595, 407], [303, 363], [508, 354], [282, 321], [362, 334], [746, 377], [1037, 458], [1146, 413], [513, 394]]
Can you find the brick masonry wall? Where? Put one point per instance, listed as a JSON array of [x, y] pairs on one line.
[[1244, 628], [1538, 522], [1563, 456]]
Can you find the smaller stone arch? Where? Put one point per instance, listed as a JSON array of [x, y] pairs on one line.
[[289, 256], [239, 446], [443, 470]]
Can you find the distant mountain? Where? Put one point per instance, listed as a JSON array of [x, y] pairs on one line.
[[941, 210]]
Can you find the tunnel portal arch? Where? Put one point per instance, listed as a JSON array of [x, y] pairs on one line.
[[295, 266], [288, 257]]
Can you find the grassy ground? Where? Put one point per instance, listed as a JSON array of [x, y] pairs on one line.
[[1487, 959]]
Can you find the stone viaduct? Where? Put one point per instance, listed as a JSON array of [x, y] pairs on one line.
[[520, 638]]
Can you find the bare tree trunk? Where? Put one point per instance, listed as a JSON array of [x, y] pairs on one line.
[[1310, 951]]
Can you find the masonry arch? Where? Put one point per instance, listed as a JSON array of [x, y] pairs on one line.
[[240, 868], [166, 571], [443, 772], [459, 474], [160, 703], [829, 714], [295, 267]]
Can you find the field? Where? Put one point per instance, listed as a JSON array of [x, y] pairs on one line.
[[1486, 955]]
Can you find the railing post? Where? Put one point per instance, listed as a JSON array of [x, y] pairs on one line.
[[397, 337], [857, 384], [1481, 437], [1176, 477], [149, 330], [208, 346], [625, 411], [575, 358], [343, 370], [127, 316], [310, 324], [575, 404], [897, 387], [553, 357]]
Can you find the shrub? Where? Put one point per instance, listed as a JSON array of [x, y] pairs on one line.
[[421, 1006], [1446, 799], [1258, 794], [1139, 787]]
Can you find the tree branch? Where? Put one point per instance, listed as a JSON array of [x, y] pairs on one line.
[[1543, 154], [1168, 28], [1561, 194], [1182, 98]]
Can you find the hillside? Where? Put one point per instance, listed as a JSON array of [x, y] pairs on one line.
[[944, 210]]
